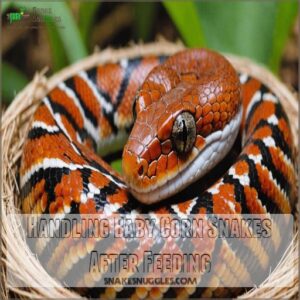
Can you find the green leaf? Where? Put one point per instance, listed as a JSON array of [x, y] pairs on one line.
[[255, 29], [284, 20], [117, 165], [12, 82], [66, 28], [59, 58], [185, 16], [241, 27], [87, 13], [144, 17]]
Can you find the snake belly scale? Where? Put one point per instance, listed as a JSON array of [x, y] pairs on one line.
[[187, 111]]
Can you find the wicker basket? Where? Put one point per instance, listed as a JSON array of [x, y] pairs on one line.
[[14, 126]]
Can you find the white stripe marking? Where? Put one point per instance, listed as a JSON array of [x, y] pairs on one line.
[[49, 128], [104, 104], [243, 78], [124, 63], [88, 125], [270, 97], [58, 163], [57, 118], [243, 179], [256, 98], [273, 120]]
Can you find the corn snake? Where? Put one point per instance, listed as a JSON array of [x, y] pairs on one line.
[[95, 106]]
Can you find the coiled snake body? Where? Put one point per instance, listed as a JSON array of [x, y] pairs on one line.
[[187, 112]]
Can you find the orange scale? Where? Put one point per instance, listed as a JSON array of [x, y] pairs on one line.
[[67, 201], [241, 168], [220, 200], [202, 210], [215, 107], [269, 188], [285, 129], [87, 96], [252, 201], [43, 115], [59, 201], [187, 98], [39, 188], [198, 112], [206, 109], [166, 147], [184, 206], [98, 180], [146, 182], [71, 131], [146, 155], [223, 107], [152, 169], [280, 164], [230, 107], [172, 163], [263, 111], [199, 124], [162, 165], [44, 201], [206, 130], [216, 116], [208, 118], [227, 190], [262, 132], [224, 116], [188, 106], [227, 98], [252, 149], [75, 193], [53, 208], [165, 127], [155, 95], [154, 149], [105, 127], [104, 75], [59, 96], [119, 197], [200, 142], [88, 208]]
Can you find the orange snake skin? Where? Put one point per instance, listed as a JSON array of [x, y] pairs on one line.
[[183, 114]]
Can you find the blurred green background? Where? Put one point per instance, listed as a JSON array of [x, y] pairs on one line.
[[256, 29]]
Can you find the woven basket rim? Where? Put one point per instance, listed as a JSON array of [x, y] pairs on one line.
[[14, 126]]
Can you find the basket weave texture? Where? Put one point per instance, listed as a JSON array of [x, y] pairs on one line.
[[15, 122]]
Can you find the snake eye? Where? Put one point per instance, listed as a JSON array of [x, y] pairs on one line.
[[184, 132]]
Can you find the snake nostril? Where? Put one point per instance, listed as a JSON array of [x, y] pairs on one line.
[[141, 170]]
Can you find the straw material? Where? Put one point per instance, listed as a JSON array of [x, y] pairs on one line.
[[15, 122]]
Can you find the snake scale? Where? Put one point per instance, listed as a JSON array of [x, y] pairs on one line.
[[183, 114]]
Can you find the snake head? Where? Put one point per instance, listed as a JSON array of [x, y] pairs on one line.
[[158, 147], [184, 125]]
